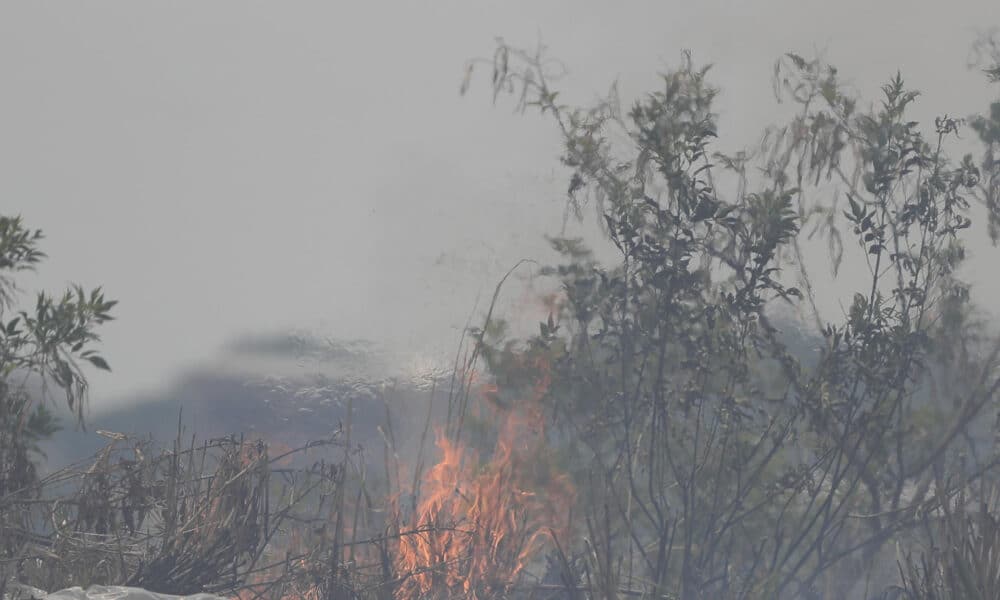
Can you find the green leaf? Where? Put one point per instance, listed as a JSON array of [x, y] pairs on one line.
[[855, 207], [99, 362], [800, 62]]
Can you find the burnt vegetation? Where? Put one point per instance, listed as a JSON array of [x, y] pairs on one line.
[[664, 435]]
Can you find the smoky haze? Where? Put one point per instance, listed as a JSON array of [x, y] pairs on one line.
[[232, 167]]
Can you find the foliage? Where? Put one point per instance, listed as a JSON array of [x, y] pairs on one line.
[[36, 346], [725, 478], [50, 340]]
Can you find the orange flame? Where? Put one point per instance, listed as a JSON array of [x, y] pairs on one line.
[[480, 524]]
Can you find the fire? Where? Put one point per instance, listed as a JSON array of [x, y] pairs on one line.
[[480, 523], [484, 516]]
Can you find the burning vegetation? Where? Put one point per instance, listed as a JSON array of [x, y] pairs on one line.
[[659, 437], [479, 523]]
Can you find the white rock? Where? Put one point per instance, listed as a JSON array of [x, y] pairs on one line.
[[100, 592], [17, 591]]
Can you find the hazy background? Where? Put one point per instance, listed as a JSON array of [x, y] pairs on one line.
[[233, 167]]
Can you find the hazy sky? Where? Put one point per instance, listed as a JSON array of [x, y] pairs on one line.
[[224, 167]]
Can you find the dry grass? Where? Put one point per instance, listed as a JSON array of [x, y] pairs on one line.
[[195, 518]]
